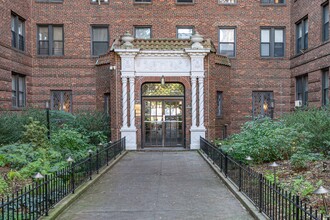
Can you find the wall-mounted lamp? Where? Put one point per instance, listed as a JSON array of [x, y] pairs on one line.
[[137, 108], [265, 106], [112, 68], [162, 80]]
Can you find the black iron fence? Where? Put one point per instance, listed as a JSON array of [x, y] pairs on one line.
[[271, 200], [38, 198]]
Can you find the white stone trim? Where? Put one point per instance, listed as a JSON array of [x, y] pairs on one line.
[[124, 98], [132, 102], [201, 102]]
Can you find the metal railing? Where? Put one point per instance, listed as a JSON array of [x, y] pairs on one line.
[[274, 202], [38, 198]]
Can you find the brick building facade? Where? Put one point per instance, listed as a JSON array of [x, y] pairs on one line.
[[70, 53]]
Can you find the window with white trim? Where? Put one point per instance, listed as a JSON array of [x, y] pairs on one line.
[[18, 90]]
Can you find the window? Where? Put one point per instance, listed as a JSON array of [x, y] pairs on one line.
[[325, 87], [100, 1], [275, 2], [272, 42], [325, 25], [100, 40], [302, 89], [142, 1], [18, 88], [227, 41], [227, 1], [61, 100], [302, 35], [184, 1], [184, 32], [141, 32], [49, 1], [261, 104], [17, 32], [219, 103], [50, 40], [107, 103]]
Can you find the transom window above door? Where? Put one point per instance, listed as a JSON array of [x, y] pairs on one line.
[[157, 89], [142, 32]]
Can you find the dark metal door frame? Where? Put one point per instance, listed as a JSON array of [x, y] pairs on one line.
[[162, 99]]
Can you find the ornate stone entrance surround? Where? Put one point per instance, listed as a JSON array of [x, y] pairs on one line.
[[184, 62]]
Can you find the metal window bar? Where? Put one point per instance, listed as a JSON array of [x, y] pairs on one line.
[[272, 201], [37, 199]]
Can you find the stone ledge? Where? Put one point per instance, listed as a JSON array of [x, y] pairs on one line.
[[67, 201], [244, 201]]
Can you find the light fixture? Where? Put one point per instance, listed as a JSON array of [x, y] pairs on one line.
[[38, 176], [47, 104], [137, 108], [70, 160], [274, 165], [265, 106], [322, 191], [162, 80]]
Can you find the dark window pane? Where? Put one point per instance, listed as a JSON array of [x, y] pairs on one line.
[[227, 49], [43, 47], [58, 48], [185, 1], [13, 39], [279, 49], [142, 0], [100, 48]]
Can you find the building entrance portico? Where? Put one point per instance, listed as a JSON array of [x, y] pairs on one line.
[[163, 120]]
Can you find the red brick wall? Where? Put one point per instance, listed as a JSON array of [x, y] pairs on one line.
[[76, 70], [316, 57], [13, 60]]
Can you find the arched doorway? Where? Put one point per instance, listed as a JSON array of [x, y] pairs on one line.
[[163, 121]]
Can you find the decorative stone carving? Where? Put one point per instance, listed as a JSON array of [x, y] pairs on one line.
[[124, 98], [127, 39], [197, 39], [163, 64]]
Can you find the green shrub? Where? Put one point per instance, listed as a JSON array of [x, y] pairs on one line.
[[4, 188], [18, 155], [302, 187], [317, 123], [299, 161], [265, 141], [70, 142], [35, 133]]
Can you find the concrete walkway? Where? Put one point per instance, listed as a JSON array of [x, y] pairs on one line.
[[158, 185]]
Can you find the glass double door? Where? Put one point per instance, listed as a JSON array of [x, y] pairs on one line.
[[163, 124]]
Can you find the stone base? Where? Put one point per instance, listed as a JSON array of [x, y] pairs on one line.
[[130, 134], [195, 134]]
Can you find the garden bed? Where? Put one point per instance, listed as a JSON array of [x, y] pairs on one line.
[[301, 182]]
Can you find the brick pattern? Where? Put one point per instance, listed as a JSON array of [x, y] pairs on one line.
[[316, 57], [76, 70]]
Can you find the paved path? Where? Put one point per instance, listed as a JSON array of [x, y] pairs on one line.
[[158, 185]]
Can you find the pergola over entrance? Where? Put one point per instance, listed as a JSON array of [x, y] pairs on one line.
[[157, 58]]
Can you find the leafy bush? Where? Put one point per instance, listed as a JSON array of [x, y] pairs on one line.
[[4, 188], [70, 142], [35, 133], [299, 161], [17, 156], [265, 141], [317, 123]]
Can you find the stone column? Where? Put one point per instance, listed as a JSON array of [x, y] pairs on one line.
[[201, 102], [197, 55], [127, 56], [193, 102], [124, 98], [132, 102]]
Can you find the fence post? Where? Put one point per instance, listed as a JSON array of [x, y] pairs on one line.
[[97, 161], [297, 207], [46, 194], [90, 166], [240, 177], [260, 192], [72, 178], [226, 165]]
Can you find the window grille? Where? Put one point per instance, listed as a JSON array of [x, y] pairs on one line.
[[261, 104]]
